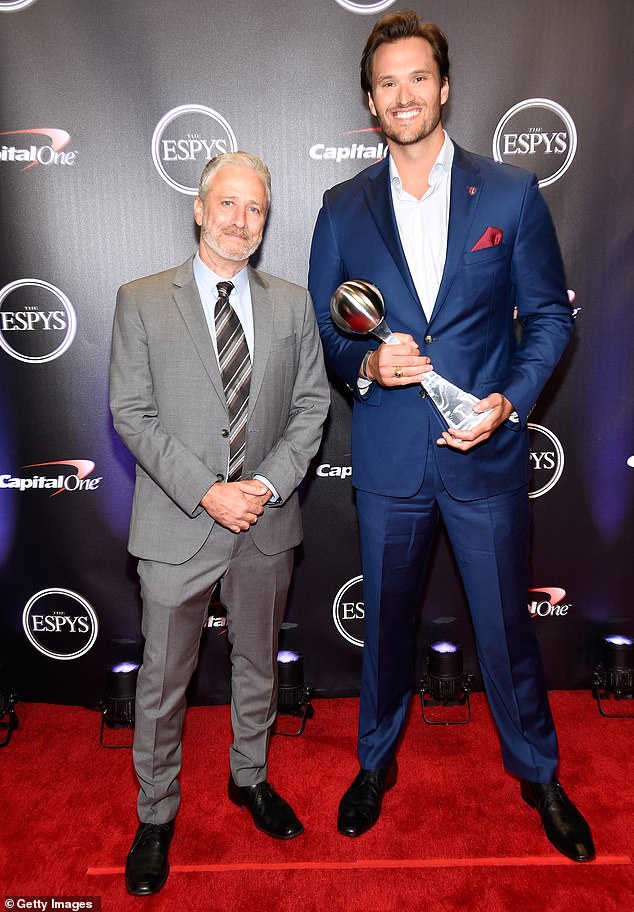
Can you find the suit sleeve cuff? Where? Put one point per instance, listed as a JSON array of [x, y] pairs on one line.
[[275, 499]]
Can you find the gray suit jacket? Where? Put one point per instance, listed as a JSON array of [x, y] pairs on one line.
[[168, 406]]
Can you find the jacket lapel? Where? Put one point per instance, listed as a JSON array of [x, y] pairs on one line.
[[379, 198], [464, 197], [263, 315], [188, 301]]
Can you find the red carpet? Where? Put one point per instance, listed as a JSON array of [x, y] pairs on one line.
[[454, 834]]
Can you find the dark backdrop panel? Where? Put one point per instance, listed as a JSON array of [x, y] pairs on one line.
[[85, 208]]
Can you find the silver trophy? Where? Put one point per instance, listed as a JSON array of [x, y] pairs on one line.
[[358, 307]]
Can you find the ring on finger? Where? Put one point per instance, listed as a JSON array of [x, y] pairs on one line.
[[398, 372]]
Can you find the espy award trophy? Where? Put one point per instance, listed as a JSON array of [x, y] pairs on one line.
[[358, 307]]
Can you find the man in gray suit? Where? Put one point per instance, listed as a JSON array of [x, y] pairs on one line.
[[218, 388]]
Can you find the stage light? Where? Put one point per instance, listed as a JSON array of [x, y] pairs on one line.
[[293, 696], [445, 683], [8, 713], [614, 675], [117, 707]]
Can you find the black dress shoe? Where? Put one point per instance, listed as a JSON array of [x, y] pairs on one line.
[[146, 867], [270, 812], [564, 826], [360, 807]]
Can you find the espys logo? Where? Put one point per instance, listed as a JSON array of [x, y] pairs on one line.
[[348, 611], [59, 483], [36, 332], [60, 624], [352, 150], [37, 153], [365, 7], [545, 142], [14, 6], [547, 460], [184, 139], [547, 602]]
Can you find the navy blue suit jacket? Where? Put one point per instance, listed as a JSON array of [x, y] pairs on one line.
[[473, 339]]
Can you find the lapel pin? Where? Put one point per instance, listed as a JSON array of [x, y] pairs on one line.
[[472, 191]]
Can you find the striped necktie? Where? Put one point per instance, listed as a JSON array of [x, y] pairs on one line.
[[235, 370]]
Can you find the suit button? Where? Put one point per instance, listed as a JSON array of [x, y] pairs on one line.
[[423, 394], [428, 340], [224, 432], [220, 477]]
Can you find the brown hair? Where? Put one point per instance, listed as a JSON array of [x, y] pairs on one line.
[[403, 24]]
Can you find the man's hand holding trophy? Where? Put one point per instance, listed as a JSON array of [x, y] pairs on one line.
[[358, 307]]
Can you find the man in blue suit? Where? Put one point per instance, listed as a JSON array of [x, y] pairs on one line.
[[458, 245]]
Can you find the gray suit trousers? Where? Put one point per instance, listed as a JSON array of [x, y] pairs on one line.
[[176, 597]]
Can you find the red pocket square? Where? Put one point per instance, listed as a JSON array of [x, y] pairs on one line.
[[491, 238]]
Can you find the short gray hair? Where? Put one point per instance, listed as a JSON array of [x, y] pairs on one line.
[[240, 159]]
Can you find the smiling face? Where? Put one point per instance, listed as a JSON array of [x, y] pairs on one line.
[[407, 94], [231, 219]]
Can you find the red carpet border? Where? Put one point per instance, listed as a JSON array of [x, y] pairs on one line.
[[454, 834]]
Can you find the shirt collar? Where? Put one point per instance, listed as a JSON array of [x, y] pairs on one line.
[[208, 279], [440, 168]]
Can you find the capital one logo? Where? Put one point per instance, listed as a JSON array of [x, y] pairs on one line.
[[547, 460], [31, 151], [63, 481], [537, 134], [548, 601], [572, 297], [326, 470], [13, 6], [365, 7], [60, 624], [348, 611], [217, 619], [184, 139], [37, 321], [355, 150]]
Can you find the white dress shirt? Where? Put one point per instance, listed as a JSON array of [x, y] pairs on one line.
[[423, 225]]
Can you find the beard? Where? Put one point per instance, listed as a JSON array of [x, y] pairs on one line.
[[230, 243], [414, 134]]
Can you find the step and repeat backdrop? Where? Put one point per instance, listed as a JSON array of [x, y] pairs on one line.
[[108, 111]]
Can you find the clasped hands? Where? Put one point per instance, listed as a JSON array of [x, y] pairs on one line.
[[401, 365], [236, 505]]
